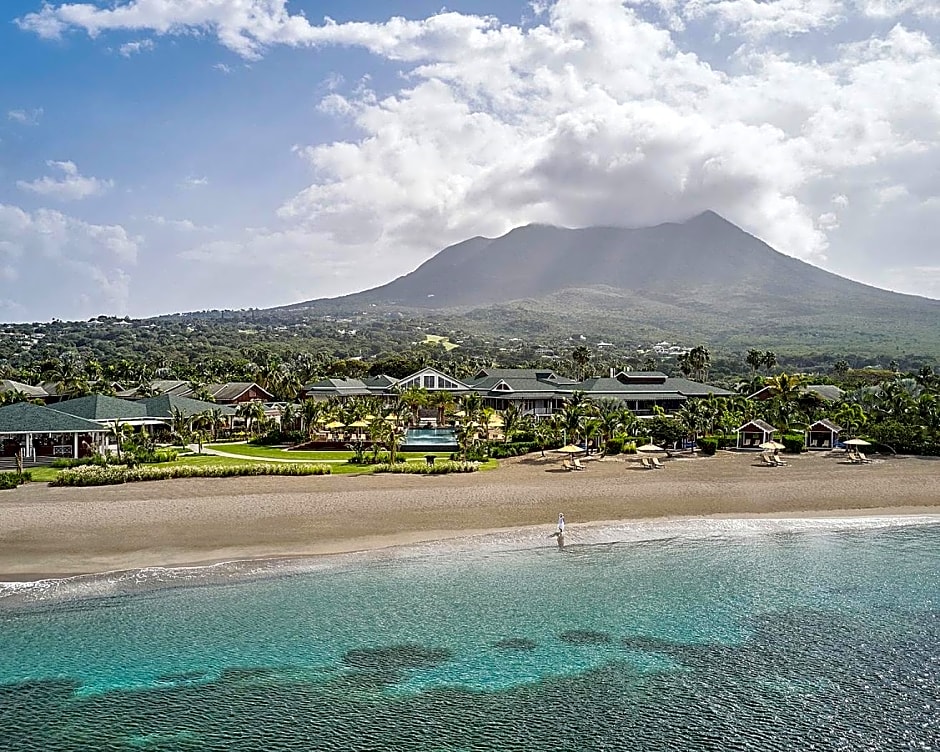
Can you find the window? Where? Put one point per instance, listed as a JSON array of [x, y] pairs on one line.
[[428, 382]]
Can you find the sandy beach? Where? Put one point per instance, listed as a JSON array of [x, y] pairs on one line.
[[49, 532]]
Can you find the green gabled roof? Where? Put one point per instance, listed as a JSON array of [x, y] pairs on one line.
[[163, 405], [102, 407], [25, 417]]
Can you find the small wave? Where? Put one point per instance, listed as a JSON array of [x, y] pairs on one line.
[[149, 579]]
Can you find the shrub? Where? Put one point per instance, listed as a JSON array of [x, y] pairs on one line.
[[499, 450], [708, 445], [96, 459], [422, 468], [614, 445], [10, 480], [793, 443], [115, 474]]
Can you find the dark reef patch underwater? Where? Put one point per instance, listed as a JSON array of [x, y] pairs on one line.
[[821, 641]]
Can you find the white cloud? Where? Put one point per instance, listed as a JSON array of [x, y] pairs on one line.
[[222, 67], [132, 48], [194, 182], [589, 115], [182, 225], [64, 264], [25, 117], [71, 186]]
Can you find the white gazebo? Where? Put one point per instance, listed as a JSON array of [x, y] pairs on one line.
[[823, 434]]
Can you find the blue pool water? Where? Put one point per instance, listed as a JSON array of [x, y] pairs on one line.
[[750, 638], [431, 438]]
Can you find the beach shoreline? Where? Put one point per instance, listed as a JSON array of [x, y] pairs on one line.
[[50, 533]]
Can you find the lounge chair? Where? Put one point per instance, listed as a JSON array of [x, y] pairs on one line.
[[768, 460], [647, 463], [778, 460], [566, 465], [860, 457], [656, 463], [577, 464]]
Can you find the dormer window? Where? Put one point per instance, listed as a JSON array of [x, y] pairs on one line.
[[502, 386]]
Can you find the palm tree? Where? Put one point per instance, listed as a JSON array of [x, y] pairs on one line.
[[442, 400], [252, 412], [581, 356], [413, 398], [755, 359], [116, 430], [512, 421], [311, 413]]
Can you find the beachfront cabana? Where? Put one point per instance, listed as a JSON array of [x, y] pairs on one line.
[[754, 433], [823, 434], [37, 432]]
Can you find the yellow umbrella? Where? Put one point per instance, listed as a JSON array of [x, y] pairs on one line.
[[358, 424], [496, 421], [460, 414], [335, 424], [570, 449], [369, 417]]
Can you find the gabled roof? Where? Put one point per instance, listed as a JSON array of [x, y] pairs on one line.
[[824, 423], [429, 371], [381, 381], [163, 405], [101, 407], [671, 388], [758, 423], [25, 417], [828, 392], [8, 385], [493, 375], [232, 390], [346, 387]]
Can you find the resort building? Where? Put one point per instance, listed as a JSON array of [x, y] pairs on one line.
[[537, 391], [230, 393], [823, 434], [38, 433]]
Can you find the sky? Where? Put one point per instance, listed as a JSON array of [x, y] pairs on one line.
[[176, 155]]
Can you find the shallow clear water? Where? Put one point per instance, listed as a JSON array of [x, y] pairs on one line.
[[444, 437], [771, 640]]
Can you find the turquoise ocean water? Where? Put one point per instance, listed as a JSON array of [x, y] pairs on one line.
[[760, 635]]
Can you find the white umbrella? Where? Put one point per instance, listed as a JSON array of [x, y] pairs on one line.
[[857, 442], [772, 445], [650, 448], [570, 449]]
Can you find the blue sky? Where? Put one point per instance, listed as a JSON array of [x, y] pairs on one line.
[[181, 155]]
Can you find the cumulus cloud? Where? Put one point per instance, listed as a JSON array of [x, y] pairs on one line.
[[592, 113], [70, 186], [64, 264], [132, 48]]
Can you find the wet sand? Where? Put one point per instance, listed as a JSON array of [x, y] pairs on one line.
[[47, 532]]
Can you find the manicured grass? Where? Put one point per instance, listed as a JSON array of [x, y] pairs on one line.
[[48, 474], [247, 450]]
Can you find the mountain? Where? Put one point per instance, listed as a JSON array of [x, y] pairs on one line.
[[704, 277]]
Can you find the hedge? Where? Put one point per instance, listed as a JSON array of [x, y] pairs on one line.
[[10, 480], [793, 443], [500, 450], [708, 445], [420, 468], [90, 475]]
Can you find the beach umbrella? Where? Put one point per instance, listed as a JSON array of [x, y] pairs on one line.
[[369, 417], [460, 414], [359, 424], [650, 448], [570, 449], [335, 424], [857, 442], [772, 445], [496, 421]]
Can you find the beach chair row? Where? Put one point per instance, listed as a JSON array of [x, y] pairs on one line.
[[857, 458], [573, 464], [652, 463]]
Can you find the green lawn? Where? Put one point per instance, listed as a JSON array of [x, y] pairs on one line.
[[268, 453], [48, 474]]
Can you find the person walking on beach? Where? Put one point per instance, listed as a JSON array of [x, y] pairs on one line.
[[561, 523]]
